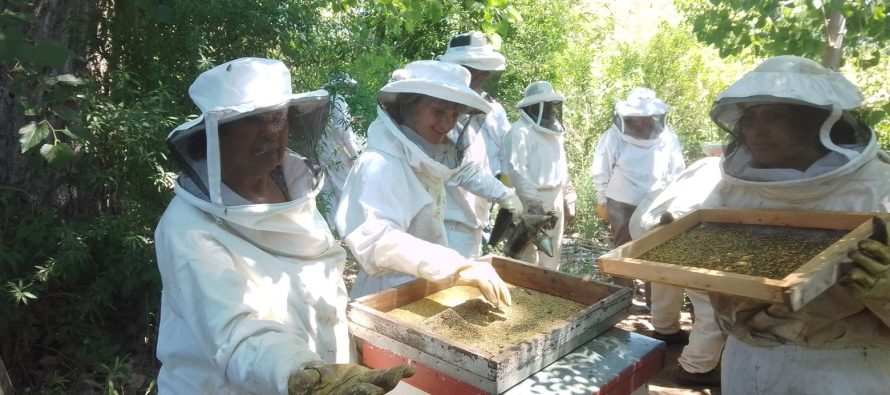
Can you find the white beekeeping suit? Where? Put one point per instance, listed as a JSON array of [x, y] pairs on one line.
[[625, 167], [838, 342], [537, 165], [394, 201], [339, 146], [251, 292], [481, 137]]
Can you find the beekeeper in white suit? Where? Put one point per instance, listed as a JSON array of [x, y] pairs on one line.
[[637, 155], [480, 136], [393, 208], [537, 166], [797, 146], [253, 297], [339, 146]]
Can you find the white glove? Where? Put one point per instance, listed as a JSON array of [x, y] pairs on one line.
[[512, 203], [483, 276]]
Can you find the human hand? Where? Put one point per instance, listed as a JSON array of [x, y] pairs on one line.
[[342, 379], [870, 278], [512, 203], [601, 212], [483, 276]]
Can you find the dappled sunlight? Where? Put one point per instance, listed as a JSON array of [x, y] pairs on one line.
[[268, 297]]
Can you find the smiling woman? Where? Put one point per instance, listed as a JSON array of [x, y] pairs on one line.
[[393, 207], [252, 277]]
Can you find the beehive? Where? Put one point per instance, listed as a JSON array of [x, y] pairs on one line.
[[776, 256], [496, 369]]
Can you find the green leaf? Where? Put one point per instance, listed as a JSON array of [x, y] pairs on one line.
[[58, 155], [48, 53], [69, 79], [32, 134], [12, 44], [66, 113]]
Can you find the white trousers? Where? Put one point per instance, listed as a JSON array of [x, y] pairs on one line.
[[793, 370], [705, 340]]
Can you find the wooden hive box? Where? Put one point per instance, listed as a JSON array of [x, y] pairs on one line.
[[795, 290], [606, 304]]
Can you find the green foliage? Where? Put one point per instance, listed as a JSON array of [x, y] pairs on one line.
[[79, 286], [765, 28]]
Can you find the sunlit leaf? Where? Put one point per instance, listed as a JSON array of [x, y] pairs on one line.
[[69, 79], [32, 134], [58, 155]]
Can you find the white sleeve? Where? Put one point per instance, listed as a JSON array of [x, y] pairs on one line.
[[341, 123], [496, 128], [516, 144], [603, 162], [479, 181], [204, 286], [678, 162], [376, 210], [685, 194]]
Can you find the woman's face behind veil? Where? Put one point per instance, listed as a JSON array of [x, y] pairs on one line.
[[253, 146], [774, 136]]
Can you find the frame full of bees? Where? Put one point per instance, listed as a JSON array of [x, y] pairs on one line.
[[776, 256], [454, 361]]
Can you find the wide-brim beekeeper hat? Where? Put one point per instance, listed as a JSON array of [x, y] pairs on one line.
[[474, 50], [789, 80], [234, 90], [540, 92], [641, 102], [446, 81]]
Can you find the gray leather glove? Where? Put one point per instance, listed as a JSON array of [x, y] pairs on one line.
[[536, 209], [512, 203], [343, 379], [870, 277]]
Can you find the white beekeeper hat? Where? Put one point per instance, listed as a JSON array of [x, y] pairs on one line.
[[641, 102], [473, 50], [235, 90], [792, 80], [446, 81], [539, 92]]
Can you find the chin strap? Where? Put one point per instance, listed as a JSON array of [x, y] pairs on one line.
[[825, 134]]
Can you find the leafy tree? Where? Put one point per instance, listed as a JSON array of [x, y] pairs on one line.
[[817, 29]]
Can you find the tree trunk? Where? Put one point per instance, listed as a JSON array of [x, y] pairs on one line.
[[835, 29], [5, 382], [71, 24]]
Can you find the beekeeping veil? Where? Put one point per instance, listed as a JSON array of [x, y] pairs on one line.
[[795, 80], [473, 50], [239, 89], [533, 102], [641, 102]]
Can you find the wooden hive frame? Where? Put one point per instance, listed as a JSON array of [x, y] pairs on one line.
[[606, 304], [795, 290]]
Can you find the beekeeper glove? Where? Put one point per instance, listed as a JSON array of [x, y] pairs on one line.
[[336, 379], [483, 276], [601, 212], [536, 208], [512, 203], [870, 278]]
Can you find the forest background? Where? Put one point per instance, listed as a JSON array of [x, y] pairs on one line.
[[89, 90]]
